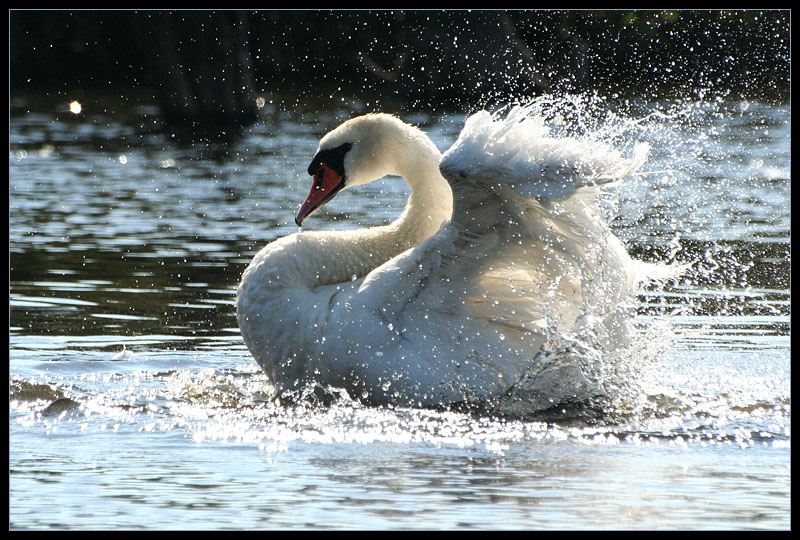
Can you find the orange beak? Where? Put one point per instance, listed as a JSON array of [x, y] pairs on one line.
[[327, 183]]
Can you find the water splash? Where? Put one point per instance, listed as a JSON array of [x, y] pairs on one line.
[[237, 406], [673, 211]]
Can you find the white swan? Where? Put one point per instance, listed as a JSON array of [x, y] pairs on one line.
[[501, 244]]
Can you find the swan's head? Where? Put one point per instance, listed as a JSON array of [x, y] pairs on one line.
[[360, 150]]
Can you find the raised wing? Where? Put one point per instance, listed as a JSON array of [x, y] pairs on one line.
[[519, 151], [534, 252], [526, 251]]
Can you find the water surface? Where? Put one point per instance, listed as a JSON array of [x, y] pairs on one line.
[[134, 403]]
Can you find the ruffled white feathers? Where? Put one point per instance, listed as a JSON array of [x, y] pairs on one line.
[[519, 151], [414, 313]]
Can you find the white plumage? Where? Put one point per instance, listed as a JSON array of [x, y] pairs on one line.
[[500, 247]]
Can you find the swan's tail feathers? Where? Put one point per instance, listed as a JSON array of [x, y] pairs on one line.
[[519, 151]]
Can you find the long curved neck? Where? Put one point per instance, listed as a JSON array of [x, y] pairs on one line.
[[430, 201], [345, 254]]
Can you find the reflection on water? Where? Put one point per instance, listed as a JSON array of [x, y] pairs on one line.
[[135, 404]]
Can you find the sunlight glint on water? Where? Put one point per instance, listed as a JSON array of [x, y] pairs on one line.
[[135, 404]]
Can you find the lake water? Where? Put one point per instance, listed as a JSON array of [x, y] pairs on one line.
[[135, 404]]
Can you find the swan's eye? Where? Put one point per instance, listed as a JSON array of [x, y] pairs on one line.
[[333, 158]]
